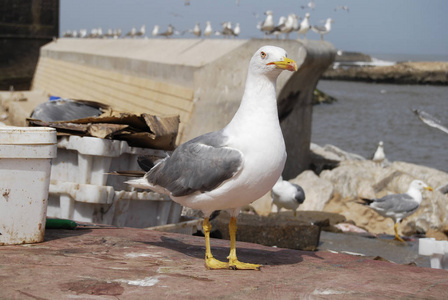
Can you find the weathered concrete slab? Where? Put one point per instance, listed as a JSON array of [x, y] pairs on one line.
[[138, 264]]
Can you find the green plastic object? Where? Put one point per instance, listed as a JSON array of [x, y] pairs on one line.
[[60, 224]]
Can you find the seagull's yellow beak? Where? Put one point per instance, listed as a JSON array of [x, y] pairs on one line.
[[285, 64], [428, 188]]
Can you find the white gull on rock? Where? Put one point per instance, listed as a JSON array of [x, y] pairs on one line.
[[399, 206]]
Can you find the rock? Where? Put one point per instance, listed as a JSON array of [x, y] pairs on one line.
[[278, 229], [437, 234], [401, 73], [320, 97]]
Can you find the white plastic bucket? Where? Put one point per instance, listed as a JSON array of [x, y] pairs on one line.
[[25, 165]]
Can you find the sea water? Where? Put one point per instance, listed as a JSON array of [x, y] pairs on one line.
[[367, 113]]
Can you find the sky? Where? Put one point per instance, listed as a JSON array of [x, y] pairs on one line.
[[416, 27]]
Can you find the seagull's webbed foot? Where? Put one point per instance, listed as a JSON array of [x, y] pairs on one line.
[[211, 263], [234, 263], [397, 237]]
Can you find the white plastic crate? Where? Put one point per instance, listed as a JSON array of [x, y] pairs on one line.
[[81, 189]]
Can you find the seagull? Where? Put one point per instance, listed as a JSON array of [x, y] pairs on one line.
[[155, 31], [287, 195], [228, 169], [237, 30], [430, 120], [289, 25], [343, 7], [268, 24], [310, 4], [132, 33], [304, 26], [323, 29], [379, 155], [169, 32], [208, 29], [278, 29], [197, 30], [141, 32], [399, 206]]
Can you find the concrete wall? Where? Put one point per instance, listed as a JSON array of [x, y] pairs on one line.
[[201, 80]]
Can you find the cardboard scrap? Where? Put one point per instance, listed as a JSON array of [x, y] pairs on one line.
[[144, 130]]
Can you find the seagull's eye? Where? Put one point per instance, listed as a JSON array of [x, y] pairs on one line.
[[263, 54]]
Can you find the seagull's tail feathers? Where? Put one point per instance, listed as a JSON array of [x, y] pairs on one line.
[[143, 183], [147, 162]]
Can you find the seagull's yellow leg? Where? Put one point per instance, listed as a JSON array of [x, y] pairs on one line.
[[233, 261], [397, 237], [210, 262]]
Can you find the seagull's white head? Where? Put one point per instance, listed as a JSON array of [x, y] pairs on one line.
[[271, 60], [420, 185], [269, 13]]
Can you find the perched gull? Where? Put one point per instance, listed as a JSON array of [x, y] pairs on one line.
[[155, 31], [268, 24], [197, 30], [399, 206], [287, 195], [277, 30], [237, 29], [132, 33], [228, 169], [430, 120], [208, 29], [304, 26], [323, 29], [379, 155], [169, 32], [141, 32]]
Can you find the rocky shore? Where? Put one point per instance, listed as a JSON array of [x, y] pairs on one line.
[[360, 67], [340, 179]]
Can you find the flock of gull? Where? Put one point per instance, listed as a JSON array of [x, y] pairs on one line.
[[285, 26]]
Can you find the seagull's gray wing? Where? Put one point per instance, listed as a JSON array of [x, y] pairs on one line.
[[200, 164], [319, 28], [397, 203]]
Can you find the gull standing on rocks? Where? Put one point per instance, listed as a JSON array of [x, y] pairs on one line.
[[379, 155], [237, 30], [132, 33], [323, 29], [141, 32], [197, 30], [278, 29], [287, 195], [399, 206], [228, 169]]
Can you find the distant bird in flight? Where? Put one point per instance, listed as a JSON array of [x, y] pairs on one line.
[[430, 120], [323, 29], [399, 206], [310, 4], [343, 7]]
